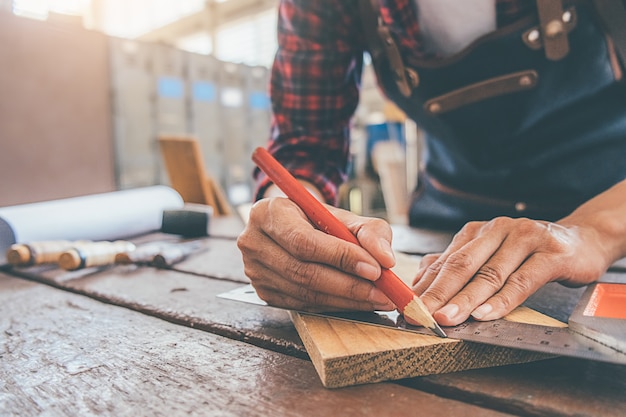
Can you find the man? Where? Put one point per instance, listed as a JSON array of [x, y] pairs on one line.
[[525, 115]]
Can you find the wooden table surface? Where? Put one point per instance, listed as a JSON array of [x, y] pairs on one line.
[[135, 341]]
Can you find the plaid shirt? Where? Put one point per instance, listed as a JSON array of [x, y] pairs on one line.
[[316, 76]]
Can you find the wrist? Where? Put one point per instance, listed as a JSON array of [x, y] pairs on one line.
[[604, 219], [603, 228]]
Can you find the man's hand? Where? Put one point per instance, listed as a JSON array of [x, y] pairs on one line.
[[293, 265], [490, 268]]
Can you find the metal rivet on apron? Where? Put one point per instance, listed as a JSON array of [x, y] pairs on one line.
[[525, 80], [533, 35], [520, 206], [554, 28], [434, 108], [413, 77], [567, 17]]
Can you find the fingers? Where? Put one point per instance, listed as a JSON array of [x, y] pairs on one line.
[[425, 262], [449, 274], [490, 268], [314, 246], [487, 270], [293, 265], [314, 284], [295, 235], [326, 290], [373, 234], [505, 274], [431, 264], [531, 276]]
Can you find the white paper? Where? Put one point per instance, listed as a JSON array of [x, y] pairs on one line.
[[106, 216]]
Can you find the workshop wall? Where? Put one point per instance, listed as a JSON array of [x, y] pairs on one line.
[[158, 90], [55, 130], [81, 112]]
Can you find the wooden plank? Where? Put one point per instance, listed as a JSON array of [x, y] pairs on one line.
[[185, 299], [348, 353], [218, 259], [64, 354], [187, 174], [185, 169], [182, 295], [173, 296], [181, 298], [555, 387]]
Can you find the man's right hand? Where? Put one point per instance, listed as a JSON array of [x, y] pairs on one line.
[[293, 265]]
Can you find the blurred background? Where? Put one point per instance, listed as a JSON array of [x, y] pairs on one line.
[[87, 87]]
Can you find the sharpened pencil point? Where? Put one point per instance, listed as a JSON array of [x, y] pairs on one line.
[[417, 313], [438, 331]]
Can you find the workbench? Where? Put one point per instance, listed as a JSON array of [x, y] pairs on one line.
[[136, 340]]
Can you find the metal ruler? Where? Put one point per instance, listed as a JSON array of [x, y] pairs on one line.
[[560, 341]]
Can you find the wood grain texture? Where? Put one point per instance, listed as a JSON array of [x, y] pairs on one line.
[[182, 298], [347, 353], [185, 169], [555, 387], [187, 173], [66, 355]]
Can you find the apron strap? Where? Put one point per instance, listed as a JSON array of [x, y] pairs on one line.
[[552, 26], [381, 45]]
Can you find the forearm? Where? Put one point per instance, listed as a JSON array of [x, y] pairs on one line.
[[605, 216]]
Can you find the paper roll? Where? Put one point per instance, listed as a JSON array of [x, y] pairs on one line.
[[106, 216]]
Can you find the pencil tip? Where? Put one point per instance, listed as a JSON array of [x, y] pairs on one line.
[[417, 313], [438, 331]]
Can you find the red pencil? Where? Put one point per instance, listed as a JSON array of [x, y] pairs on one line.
[[389, 283]]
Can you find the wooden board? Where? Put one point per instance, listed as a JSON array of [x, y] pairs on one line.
[[348, 353], [188, 175], [68, 355], [557, 387]]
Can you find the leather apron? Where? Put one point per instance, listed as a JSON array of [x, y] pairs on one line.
[[510, 132]]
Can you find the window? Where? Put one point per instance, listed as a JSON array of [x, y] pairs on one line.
[[250, 41], [133, 18], [39, 9]]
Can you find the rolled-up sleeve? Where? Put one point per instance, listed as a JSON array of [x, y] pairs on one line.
[[314, 91]]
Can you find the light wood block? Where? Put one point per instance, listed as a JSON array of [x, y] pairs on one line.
[[347, 353], [187, 174]]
